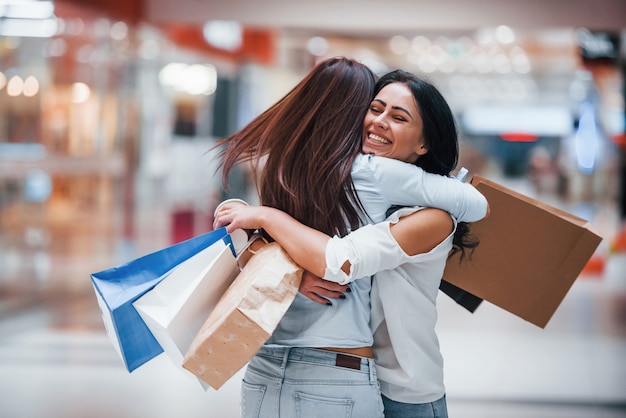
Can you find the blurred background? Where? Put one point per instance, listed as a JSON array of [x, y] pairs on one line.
[[109, 110]]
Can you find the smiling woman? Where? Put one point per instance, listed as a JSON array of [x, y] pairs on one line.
[[393, 125], [411, 109]]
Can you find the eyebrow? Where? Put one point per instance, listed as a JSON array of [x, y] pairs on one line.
[[395, 107]]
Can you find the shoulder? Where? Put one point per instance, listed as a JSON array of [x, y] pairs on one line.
[[423, 230], [429, 220]]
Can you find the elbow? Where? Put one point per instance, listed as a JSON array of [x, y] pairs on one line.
[[482, 209], [476, 212], [486, 209]]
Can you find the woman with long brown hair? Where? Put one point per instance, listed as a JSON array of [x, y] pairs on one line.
[[320, 356]]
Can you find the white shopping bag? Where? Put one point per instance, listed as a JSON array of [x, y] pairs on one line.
[[175, 309], [118, 287]]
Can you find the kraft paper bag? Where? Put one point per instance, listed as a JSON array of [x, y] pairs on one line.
[[530, 254], [117, 288], [245, 317], [175, 309]]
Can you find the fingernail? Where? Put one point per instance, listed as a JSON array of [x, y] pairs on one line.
[[348, 289], [342, 296], [329, 304]]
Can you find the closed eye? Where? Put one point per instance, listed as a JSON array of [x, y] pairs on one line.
[[404, 111]]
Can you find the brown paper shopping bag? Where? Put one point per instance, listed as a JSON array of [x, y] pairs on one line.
[[529, 255], [245, 317]]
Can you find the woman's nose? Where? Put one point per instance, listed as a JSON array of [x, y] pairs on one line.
[[381, 122]]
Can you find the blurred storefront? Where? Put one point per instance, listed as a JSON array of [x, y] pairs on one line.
[[108, 120], [104, 124]]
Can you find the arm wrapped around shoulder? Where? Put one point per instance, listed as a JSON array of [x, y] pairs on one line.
[[405, 184]]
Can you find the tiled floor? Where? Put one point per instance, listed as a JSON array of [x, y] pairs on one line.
[[56, 361]]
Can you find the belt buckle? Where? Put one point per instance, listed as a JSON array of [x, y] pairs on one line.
[[348, 362]]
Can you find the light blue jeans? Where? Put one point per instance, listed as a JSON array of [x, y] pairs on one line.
[[437, 409], [308, 383]]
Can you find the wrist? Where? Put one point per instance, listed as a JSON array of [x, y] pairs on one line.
[[267, 217]]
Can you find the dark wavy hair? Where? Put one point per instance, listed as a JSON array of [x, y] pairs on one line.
[[440, 139], [302, 147]]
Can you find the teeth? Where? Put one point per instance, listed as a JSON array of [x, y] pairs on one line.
[[378, 139]]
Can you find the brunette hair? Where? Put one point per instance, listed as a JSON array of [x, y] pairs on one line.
[[440, 139], [302, 147]]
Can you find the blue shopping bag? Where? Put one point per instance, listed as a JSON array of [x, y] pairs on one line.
[[118, 287]]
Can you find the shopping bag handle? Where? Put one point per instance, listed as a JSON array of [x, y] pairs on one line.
[[247, 251], [253, 238]]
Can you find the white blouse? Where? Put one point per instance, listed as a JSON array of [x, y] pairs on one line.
[[403, 302]]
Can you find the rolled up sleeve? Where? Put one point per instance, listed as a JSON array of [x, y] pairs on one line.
[[368, 250]]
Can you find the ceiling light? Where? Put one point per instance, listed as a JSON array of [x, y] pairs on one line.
[[223, 34]]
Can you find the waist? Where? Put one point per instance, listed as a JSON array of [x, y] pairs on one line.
[[281, 356], [310, 324], [358, 351]]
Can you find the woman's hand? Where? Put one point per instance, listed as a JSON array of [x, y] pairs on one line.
[[305, 245], [318, 289], [237, 216]]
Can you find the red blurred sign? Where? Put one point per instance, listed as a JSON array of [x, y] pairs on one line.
[[518, 137]]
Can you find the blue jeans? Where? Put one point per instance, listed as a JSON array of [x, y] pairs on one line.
[[437, 409], [308, 383]]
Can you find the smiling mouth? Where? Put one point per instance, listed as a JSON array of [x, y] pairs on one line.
[[378, 139]]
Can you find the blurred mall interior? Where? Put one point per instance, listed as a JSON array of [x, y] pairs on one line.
[[109, 110]]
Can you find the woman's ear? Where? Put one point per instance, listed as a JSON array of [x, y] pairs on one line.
[[421, 149]]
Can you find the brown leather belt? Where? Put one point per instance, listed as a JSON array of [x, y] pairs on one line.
[[350, 358]]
